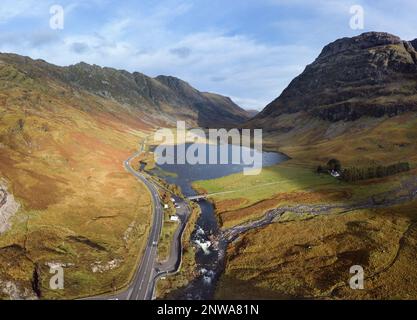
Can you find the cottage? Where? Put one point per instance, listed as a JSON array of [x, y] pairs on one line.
[[335, 174]]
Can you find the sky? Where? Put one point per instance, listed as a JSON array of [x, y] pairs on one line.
[[248, 50]]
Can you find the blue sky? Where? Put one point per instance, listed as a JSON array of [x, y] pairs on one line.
[[246, 49]]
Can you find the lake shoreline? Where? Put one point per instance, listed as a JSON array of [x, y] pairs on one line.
[[207, 237]]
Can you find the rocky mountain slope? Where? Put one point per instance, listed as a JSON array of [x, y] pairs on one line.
[[361, 89], [161, 100], [374, 74], [414, 44], [68, 199]]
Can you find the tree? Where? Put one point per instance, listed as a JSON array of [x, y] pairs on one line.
[[335, 165], [354, 174]]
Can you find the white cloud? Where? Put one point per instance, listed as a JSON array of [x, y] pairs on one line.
[[254, 72], [236, 64], [232, 65], [10, 9]]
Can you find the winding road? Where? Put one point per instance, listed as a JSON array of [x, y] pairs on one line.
[[143, 284]]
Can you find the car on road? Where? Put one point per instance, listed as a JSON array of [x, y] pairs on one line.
[[155, 243]]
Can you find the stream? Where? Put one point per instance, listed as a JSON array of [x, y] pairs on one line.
[[209, 253]]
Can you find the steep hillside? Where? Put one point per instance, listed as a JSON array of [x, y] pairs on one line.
[[374, 74], [358, 100], [253, 112], [65, 197], [414, 44], [162, 100]]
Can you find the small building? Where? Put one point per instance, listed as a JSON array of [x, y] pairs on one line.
[[335, 174], [166, 206], [173, 200], [174, 218]]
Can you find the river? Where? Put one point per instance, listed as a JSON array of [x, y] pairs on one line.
[[207, 229]]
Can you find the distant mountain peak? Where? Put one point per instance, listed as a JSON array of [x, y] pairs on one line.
[[175, 83], [86, 66], [164, 78], [364, 41]]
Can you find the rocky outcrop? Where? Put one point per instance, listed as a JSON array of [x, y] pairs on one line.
[[374, 75], [414, 44], [14, 291], [8, 208]]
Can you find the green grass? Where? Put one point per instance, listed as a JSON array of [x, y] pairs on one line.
[[249, 197], [272, 180], [167, 288], [165, 242]]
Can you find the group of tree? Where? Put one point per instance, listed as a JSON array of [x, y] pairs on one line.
[[352, 174], [332, 165], [355, 174]]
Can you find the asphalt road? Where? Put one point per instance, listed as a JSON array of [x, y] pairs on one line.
[[143, 284], [173, 263]]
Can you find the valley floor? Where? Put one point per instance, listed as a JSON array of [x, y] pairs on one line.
[[316, 228]]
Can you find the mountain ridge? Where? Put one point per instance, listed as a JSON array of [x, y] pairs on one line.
[[160, 99]]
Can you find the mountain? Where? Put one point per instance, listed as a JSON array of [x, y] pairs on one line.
[[65, 196], [354, 88], [163, 100], [213, 110], [252, 112], [374, 74]]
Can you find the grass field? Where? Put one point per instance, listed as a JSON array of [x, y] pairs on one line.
[[284, 184], [311, 258]]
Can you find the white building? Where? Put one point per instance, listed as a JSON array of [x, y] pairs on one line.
[[174, 218], [335, 174]]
